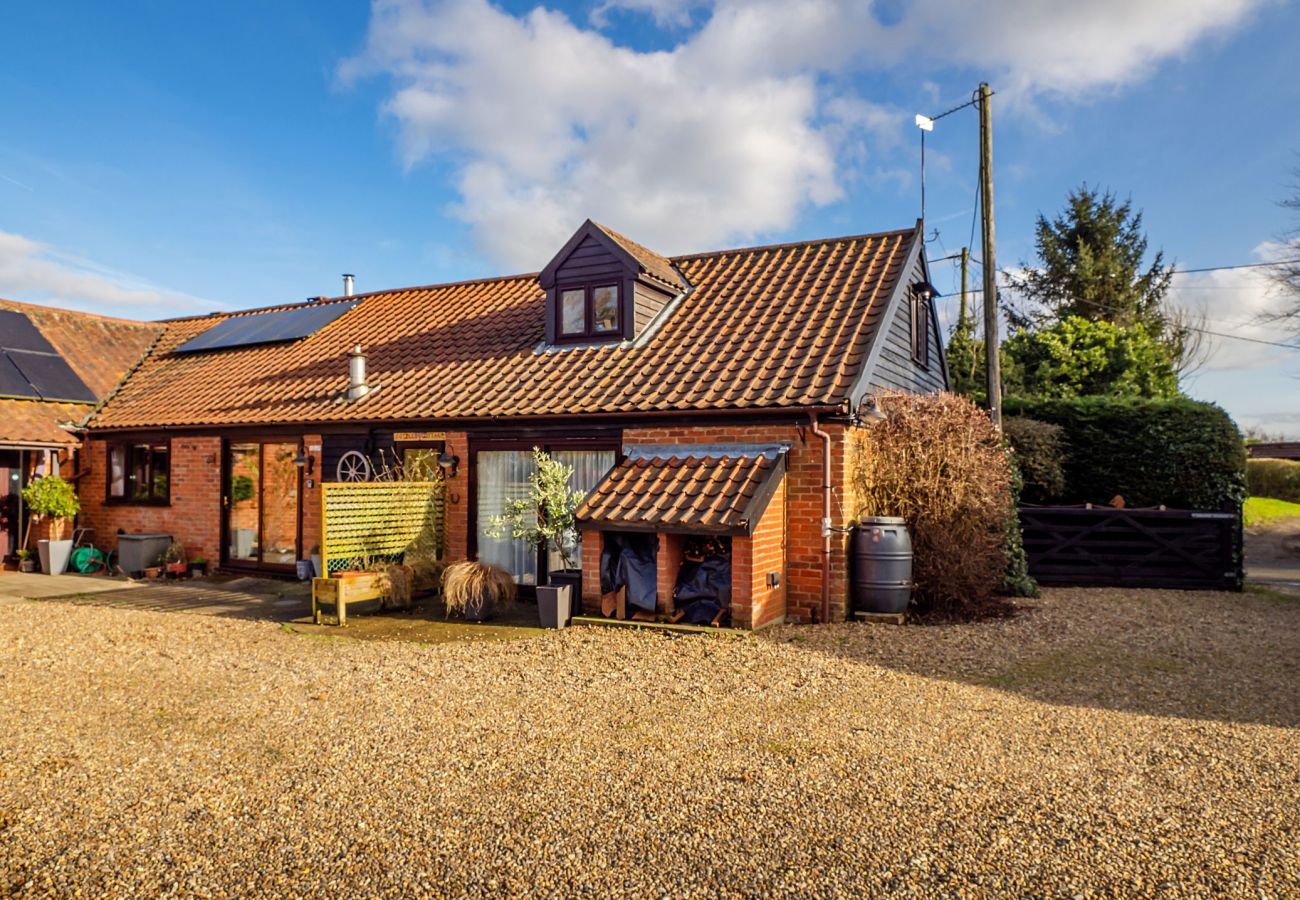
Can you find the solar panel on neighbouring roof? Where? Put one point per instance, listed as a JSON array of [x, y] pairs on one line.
[[273, 327], [18, 333], [12, 382], [52, 376]]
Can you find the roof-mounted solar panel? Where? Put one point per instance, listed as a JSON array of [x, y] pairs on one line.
[[52, 376], [275, 327], [12, 382], [18, 333]]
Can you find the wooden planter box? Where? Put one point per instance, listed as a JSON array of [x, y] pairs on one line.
[[339, 592]]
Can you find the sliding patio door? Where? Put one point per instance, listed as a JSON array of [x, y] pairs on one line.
[[501, 476], [261, 500]]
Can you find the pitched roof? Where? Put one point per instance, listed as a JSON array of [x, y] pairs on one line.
[[657, 266], [680, 488], [101, 350], [788, 325]]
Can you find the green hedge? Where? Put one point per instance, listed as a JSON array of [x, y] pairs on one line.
[[1181, 453], [1039, 457], [1276, 478]]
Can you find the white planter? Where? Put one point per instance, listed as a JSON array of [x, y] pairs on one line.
[[315, 564], [54, 556]]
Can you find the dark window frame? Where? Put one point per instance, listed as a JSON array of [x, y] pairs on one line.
[[589, 333], [128, 498], [920, 329]]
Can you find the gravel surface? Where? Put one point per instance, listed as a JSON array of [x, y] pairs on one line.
[[150, 753]]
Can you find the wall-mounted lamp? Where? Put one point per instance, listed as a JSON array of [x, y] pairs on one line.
[[449, 463], [925, 290], [870, 413], [303, 462]]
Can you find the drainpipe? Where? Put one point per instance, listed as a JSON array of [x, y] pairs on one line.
[[826, 516]]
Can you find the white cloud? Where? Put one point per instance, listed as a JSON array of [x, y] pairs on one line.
[[735, 131], [30, 270], [1235, 302], [666, 13]]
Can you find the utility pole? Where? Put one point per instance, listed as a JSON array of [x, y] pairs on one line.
[[965, 268], [993, 363]]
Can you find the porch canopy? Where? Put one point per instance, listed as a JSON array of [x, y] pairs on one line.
[[691, 489]]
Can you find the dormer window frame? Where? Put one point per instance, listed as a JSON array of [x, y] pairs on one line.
[[590, 333]]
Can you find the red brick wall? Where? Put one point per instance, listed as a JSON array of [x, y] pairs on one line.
[[765, 550], [311, 495], [458, 499], [803, 504], [193, 516]]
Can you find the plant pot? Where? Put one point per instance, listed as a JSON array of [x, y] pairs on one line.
[[572, 578], [27, 565], [152, 571], [54, 556], [315, 565], [480, 611], [176, 569], [553, 604], [304, 570], [198, 569]]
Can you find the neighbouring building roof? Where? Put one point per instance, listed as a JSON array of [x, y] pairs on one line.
[[99, 349], [788, 325], [686, 489]]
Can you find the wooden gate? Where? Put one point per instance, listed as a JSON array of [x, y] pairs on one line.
[[1133, 547], [365, 522]]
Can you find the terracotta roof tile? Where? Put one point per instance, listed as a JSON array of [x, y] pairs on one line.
[[40, 422], [762, 327], [657, 266], [684, 490]]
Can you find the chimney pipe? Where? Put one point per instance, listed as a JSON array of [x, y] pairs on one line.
[[347, 284], [357, 387]]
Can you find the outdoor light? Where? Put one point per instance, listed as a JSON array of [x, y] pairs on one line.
[[303, 462], [448, 462], [870, 412], [925, 123], [925, 290]]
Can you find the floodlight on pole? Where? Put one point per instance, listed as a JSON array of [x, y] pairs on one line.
[[925, 123]]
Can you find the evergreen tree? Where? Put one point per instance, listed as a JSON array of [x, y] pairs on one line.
[[1090, 266]]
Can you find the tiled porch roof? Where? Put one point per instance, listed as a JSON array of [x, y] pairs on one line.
[[686, 489]]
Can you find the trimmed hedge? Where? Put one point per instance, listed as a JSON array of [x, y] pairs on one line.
[[1276, 478], [1181, 453], [1039, 457]]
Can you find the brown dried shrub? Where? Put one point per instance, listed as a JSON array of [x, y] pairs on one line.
[[937, 461], [470, 586]]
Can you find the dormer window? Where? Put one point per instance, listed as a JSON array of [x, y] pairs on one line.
[[603, 288], [589, 312]]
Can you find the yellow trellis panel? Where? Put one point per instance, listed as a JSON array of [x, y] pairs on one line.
[[368, 520]]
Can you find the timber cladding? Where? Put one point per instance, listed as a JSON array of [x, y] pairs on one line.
[[1149, 548], [365, 521]]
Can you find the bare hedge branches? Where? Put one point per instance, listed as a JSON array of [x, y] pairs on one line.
[[937, 461]]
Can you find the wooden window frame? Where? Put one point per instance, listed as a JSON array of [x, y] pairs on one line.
[[589, 334], [920, 330], [127, 499]]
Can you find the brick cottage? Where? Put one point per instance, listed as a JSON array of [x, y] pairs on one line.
[[699, 396]]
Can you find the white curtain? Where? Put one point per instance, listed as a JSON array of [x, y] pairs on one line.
[[503, 476], [589, 469]]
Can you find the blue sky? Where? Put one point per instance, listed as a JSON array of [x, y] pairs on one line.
[[169, 158]]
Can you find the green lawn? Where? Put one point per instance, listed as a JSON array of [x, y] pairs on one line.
[[1264, 510]]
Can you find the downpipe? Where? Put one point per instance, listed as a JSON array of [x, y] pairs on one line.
[[826, 515]]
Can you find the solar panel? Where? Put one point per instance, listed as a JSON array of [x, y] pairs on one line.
[[273, 327], [18, 333], [52, 376], [12, 382]]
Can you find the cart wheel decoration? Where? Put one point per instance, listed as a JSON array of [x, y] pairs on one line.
[[353, 466]]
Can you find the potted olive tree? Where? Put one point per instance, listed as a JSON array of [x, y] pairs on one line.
[[544, 519], [53, 499]]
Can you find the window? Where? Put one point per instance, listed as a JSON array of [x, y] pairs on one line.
[[139, 472], [921, 328], [589, 312]]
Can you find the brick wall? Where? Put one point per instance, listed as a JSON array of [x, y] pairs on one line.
[[311, 495], [193, 516], [803, 504], [457, 527], [765, 550]]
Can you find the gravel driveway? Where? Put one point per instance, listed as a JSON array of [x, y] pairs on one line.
[[154, 753]]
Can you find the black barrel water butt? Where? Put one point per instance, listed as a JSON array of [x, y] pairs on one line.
[[880, 565]]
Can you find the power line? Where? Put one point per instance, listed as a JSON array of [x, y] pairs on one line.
[[1259, 265]]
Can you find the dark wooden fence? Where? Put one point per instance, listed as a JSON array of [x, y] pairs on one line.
[[1133, 547]]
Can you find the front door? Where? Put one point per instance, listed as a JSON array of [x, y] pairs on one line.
[[11, 483], [261, 501]]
